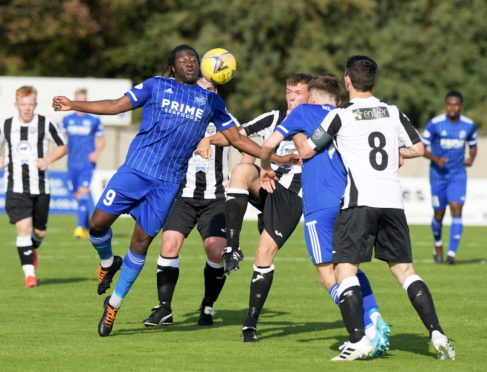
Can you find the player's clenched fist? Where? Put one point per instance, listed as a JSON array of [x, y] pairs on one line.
[[61, 103]]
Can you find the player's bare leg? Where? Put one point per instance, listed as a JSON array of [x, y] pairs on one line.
[[422, 301], [244, 182], [260, 284]]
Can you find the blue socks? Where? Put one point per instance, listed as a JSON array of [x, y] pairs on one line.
[[456, 230], [103, 244], [132, 265], [436, 227], [83, 210], [369, 304], [334, 293]]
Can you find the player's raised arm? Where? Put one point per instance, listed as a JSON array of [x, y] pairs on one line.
[[241, 142], [103, 107]]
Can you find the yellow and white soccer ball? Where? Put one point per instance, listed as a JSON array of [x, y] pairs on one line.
[[218, 65]]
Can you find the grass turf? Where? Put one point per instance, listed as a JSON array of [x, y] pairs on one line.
[[54, 327]]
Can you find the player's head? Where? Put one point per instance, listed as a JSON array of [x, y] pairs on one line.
[[208, 85], [325, 88], [183, 63], [26, 102], [360, 71], [453, 104], [297, 89], [81, 94]]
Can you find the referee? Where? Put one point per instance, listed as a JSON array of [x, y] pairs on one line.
[[27, 137]]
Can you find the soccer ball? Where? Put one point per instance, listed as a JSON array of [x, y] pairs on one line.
[[218, 65]]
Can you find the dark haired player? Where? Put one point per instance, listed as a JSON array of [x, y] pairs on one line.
[[200, 203], [175, 115], [366, 133], [323, 179], [446, 136]]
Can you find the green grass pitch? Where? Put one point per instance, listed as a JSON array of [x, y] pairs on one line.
[[54, 327]]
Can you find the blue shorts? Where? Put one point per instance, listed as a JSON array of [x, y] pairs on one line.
[[148, 200], [444, 192], [318, 232], [80, 178]]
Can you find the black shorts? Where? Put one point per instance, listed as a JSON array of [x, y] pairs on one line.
[[357, 230], [20, 206], [208, 214], [281, 212]]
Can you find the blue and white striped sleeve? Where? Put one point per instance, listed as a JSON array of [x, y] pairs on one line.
[[139, 94]]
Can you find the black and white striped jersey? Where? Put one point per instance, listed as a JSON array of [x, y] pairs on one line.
[[367, 133], [24, 144], [263, 126], [206, 178]]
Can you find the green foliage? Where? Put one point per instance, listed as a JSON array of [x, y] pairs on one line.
[[424, 47]]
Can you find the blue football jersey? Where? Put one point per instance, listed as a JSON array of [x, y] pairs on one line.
[[81, 131], [448, 140], [324, 176], [174, 119]]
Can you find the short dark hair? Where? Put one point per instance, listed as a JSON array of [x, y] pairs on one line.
[[171, 59], [454, 93], [362, 71], [300, 77], [327, 83]]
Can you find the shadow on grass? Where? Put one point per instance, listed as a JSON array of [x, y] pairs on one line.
[[269, 325], [472, 261], [49, 281]]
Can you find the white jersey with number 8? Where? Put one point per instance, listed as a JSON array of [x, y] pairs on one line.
[[367, 133]]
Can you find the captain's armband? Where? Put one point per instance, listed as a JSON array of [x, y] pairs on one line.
[[319, 139]]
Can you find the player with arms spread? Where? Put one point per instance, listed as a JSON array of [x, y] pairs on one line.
[[446, 136], [366, 132], [201, 203], [175, 115]]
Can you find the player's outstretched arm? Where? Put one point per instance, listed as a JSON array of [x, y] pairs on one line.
[[241, 142], [413, 151], [103, 107]]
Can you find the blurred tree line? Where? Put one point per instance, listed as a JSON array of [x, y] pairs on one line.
[[423, 47]]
